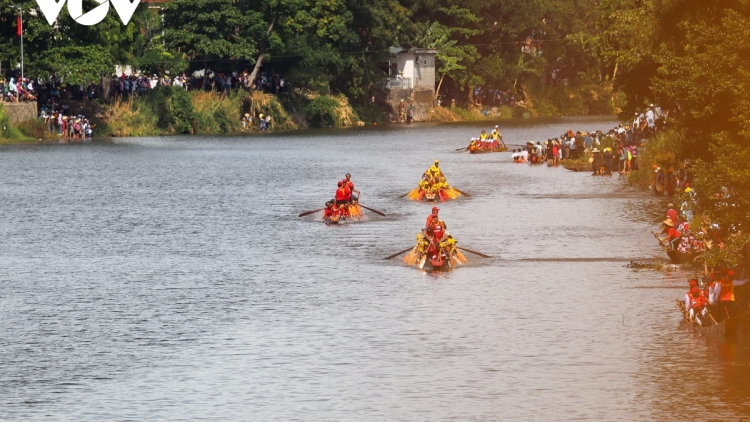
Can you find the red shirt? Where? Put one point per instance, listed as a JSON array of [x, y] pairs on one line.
[[673, 233], [672, 215], [429, 220], [698, 303], [341, 195], [328, 213], [438, 231]]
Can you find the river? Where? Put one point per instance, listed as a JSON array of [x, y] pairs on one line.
[[171, 279]]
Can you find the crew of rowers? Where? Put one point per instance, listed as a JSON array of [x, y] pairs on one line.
[[345, 204], [435, 243], [715, 301], [676, 234], [486, 142], [430, 185]]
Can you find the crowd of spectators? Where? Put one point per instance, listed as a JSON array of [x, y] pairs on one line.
[[221, 82], [15, 90], [54, 89]]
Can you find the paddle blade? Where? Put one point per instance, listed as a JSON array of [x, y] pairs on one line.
[[422, 262], [355, 211], [460, 257], [411, 257]]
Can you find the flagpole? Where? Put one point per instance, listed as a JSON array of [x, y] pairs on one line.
[[20, 30], [21, 42]]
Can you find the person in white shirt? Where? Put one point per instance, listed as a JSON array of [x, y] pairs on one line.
[[713, 292], [650, 117]]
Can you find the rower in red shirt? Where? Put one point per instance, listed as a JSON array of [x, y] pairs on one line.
[[330, 213], [673, 235], [432, 219], [697, 305], [341, 194], [692, 283], [350, 185]]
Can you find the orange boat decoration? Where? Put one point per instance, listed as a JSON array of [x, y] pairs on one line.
[[477, 146]]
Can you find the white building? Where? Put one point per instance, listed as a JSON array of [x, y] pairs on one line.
[[411, 69]]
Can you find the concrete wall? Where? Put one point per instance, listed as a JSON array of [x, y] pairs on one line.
[[423, 100], [20, 112], [424, 72]]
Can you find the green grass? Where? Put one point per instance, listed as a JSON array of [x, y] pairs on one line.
[[10, 134]]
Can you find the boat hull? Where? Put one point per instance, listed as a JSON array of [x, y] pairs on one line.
[[681, 257], [483, 151], [726, 327], [578, 168]]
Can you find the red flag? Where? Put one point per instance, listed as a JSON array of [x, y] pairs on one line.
[[19, 27]]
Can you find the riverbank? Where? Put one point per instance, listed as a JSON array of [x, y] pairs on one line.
[[172, 111]]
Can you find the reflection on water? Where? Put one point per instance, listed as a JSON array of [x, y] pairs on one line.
[[169, 278]]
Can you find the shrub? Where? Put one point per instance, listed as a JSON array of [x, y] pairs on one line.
[[36, 129], [9, 132], [321, 112], [181, 109], [659, 150], [222, 121]]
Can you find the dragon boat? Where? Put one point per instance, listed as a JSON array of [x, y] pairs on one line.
[[433, 187], [727, 327], [480, 147], [433, 193], [435, 254], [334, 214]]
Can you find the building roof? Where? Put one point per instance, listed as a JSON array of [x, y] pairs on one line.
[[399, 50]]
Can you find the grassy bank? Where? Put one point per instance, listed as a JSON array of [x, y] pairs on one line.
[[583, 100], [12, 134], [169, 110], [661, 150]]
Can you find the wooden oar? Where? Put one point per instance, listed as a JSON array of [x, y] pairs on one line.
[[661, 243], [462, 193], [398, 253], [404, 194], [375, 211], [474, 252], [461, 149], [310, 212]]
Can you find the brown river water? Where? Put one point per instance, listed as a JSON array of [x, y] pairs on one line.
[[171, 279]]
